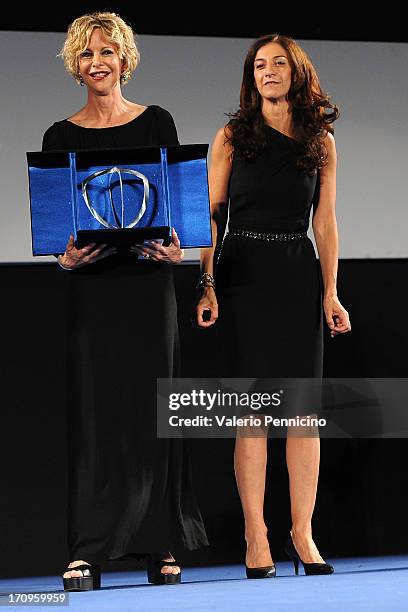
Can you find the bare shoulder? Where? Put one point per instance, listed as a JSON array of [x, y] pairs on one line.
[[136, 109], [221, 147], [77, 117], [330, 145]]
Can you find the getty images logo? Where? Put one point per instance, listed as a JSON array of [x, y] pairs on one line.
[[207, 401]]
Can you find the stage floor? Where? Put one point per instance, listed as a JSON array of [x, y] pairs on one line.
[[370, 583]]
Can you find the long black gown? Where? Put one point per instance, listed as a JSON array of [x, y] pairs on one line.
[[129, 492], [269, 293]]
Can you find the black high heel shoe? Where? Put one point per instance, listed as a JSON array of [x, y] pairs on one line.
[[89, 581], [155, 564], [268, 571], [311, 569], [261, 572]]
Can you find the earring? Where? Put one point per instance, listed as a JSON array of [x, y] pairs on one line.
[[81, 81], [124, 77]]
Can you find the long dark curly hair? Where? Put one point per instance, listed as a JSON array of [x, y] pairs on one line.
[[312, 111]]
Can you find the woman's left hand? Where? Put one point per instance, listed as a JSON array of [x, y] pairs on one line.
[[171, 254], [337, 317]]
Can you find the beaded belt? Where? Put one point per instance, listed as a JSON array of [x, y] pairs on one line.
[[267, 235]]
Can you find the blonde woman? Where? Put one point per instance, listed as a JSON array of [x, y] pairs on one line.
[[129, 493]]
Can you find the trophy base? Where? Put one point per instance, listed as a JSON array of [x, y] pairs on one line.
[[123, 238]]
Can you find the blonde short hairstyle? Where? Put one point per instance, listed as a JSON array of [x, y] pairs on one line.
[[115, 30]]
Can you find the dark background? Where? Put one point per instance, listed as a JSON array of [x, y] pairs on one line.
[[314, 22], [361, 499]]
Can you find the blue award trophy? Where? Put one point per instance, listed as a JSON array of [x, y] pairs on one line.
[[119, 197]]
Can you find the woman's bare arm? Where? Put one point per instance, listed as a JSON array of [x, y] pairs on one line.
[[218, 178], [327, 242]]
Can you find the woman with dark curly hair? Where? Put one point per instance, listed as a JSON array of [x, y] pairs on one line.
[[273, 161]]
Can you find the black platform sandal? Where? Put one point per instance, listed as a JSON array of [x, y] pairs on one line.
[[154, 573], [89, 581]]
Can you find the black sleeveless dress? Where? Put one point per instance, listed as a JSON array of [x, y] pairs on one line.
[[129, 493], [270, 312]]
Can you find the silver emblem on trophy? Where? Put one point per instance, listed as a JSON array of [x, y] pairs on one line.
[[119, 221], [112, 213]]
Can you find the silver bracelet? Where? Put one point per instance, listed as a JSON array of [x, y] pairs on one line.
[[206, 280], [62, 266]]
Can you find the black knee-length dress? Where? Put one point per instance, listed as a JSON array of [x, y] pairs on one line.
[[129, 492], [269, 292]]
